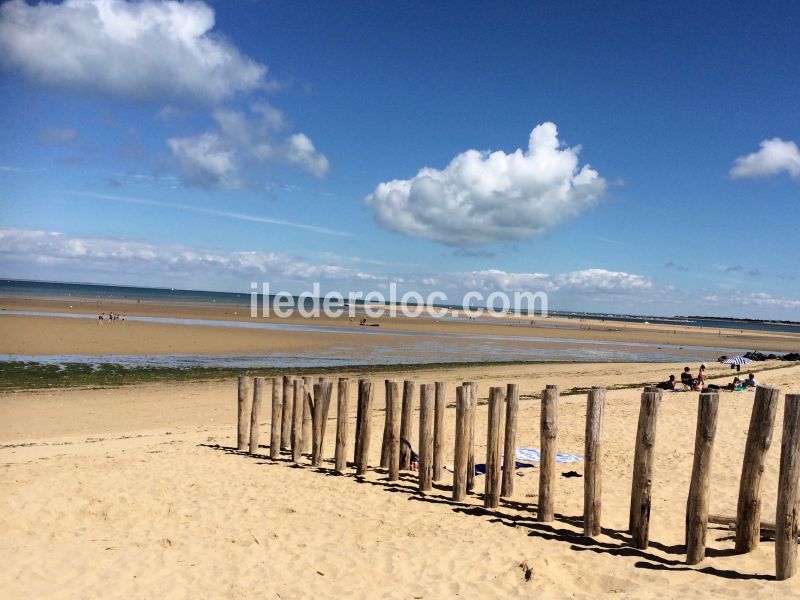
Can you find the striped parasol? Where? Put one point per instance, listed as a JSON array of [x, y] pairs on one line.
[[736, 360]]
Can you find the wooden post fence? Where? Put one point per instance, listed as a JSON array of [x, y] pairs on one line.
[[321, 406], [340, 458], [461, 449], [593, 457], [641, 487], [359, 420], [255, 413], [308, 409], [759, 438], [471, 392], [275, 425], [786, 511], [426, 407], [393, 410], [697, 503], [365, 430], [242, 405], [387, 427], [438, 430], [297, 420], [491, 495], [510, 440], [288, 408], [548, 426], [405, 421]]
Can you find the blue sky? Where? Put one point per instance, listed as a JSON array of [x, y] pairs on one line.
[[209, 145]]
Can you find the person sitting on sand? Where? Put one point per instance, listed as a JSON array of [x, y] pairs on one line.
[[750, 381], [669, 384], [687, 379], [407, 454]]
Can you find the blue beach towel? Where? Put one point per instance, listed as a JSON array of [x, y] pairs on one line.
[[525, 457]]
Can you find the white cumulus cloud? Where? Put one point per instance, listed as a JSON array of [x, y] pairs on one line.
[[773, 157], [145, 50], [483, 197], [217, 157]]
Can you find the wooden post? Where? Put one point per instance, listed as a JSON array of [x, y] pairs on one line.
[[243, 401], [759, 438], [365, 403], [308, 410], [471, 391], [461, 450], [697, 503], [321, 405], [359, 408], [491, 496], [786, 511], [297, 420], [255, 412], [426, 407], [288, 408], [393, 410], [593, 457], [438, 430], [641, 487], [510, 440], [387, 428], [548, 428], [405, 420], [275, 425], [340, 458]]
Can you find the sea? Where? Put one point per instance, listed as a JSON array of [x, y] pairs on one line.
[[94, 292]]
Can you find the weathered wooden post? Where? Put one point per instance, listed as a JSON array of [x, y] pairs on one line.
[[288, 413], [340, 458], [405, 420], [593, 457], [438, 430], [365, 431], [297, 420], [461, 449], [242, 405], [786, 511], [359, 420], [759, 438], [697, 503], [471, 391], [548, 428], [308, 410], [387, 427], [510, 440], [491, 495], [275, 425], [321, 406], [255, 413], [393, 409], [641, 487], [426, 400]]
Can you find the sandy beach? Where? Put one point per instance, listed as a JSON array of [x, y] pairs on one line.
[[135, 492], [29, 334]]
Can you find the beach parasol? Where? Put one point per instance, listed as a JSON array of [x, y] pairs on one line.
[[736, 360]]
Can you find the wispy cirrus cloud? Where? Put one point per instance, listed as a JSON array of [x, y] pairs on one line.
[[212, 211]]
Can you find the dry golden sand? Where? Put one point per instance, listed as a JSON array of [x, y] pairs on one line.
[[131, 492]]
